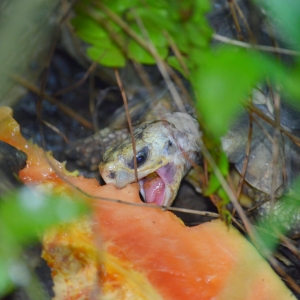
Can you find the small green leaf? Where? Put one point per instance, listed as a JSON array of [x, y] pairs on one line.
[[120, 6], [26, 214], [137, 53], [287, 18], [88, 29], [109, 56], [223, 163], [223, 195], [213, 185], [174, 63]]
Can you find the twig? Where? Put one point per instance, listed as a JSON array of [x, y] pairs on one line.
[[235, 19], [129, 122], [67, 110], [246, 159], [258, 112], [86, 75], [177, 53], [227, 189], [242, 16], [275, 148], [226, 40]]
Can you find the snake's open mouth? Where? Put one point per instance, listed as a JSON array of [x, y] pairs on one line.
[[155, 187]]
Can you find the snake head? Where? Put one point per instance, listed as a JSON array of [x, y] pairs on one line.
[[165, 150]]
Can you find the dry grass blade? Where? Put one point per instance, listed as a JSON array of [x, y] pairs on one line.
[[275, 146], [79, 82], [177, 53], [228, 190], [242, 16], [246, 159], [145, 78], [129, 122], [227, 40], [258, 112], [235, 19], [289, 244], [67, 110], [55, 129]]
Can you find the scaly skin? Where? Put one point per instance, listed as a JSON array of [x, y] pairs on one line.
[[165, 150], [167, 146]]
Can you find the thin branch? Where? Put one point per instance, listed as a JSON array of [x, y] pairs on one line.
[[235, 19], [129, 122], [67, 110], [246, 159], [226, 40], [258, 112], [86, 75]]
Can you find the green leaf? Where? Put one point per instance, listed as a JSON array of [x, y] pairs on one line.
[[5, 280], [150, 17], [287, 18], [222, 83], [213, 185], [223, 163], [88, 29], [120, 6], [174, 63], [225, 199], [137, 53], [107, 55], [26, 214]]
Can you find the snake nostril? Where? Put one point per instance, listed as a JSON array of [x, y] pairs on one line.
[[112, 175]]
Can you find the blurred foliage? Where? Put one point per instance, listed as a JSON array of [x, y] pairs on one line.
[[222, 77], [24, 215], [145, 31]]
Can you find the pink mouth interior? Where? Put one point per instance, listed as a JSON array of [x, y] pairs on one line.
[[154, 186], [154, 189]]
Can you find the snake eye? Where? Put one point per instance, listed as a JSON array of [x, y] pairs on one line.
[[141, 158]]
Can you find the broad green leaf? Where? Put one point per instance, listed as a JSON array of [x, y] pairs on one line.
[[120, 6], [203, 6], [26, 214], [88, 29], [222, 84], [150, 16], [137, 53], [110, 56], [286, 16]]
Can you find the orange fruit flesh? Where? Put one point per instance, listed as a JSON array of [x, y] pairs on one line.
[[140, 252]]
